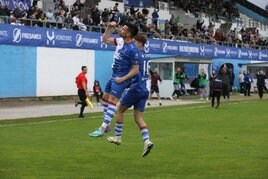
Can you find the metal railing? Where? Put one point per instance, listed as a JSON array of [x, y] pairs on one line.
[[101, 29]]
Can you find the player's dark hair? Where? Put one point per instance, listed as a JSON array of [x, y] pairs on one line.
[[83, 67], [141, 38], [132, 29]]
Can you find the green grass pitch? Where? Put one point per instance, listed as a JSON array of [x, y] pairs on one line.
[[191, 142]]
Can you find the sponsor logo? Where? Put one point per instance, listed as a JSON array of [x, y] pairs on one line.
[[189, 49], [147, 46], [239, 53], [155, 46], [164, 47], [102, 44], [3, 33], [228, 52], [260, 55], [80, 40], [249, 54], [202, 50], [18, 36], [218, 52], [51, 38], [215, 51]]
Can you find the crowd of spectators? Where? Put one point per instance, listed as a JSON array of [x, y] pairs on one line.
[[217, 8], [60, 16]]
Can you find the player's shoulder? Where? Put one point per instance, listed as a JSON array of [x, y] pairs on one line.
[[119, 41]]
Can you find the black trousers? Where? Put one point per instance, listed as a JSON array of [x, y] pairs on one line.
[[247, 89], [98, 96], [242, 87], [82, 96], [260, 90], [225, 90], [217, 95]]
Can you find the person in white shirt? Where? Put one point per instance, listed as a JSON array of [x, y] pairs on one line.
[[241, 82]]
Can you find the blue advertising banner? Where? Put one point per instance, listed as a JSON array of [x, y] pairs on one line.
[[45, 37], [12, 4], [138, 3]]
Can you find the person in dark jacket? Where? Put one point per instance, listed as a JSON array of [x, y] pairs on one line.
[[248, 80], [216, 89], [211, 79], [97, 91], [225, 82], [261, 83]]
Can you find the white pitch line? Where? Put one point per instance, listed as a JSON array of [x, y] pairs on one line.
[[94, 117]]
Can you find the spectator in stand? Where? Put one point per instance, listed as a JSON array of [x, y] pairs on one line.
[[75, 10], [155, 17], [76, 22], [115, 17], [59, 14], [31, 11], [69, 20], [4, 11], [133, 11], [42, 20], [50, 15], [95, 14], [78, 4], [124, 17], [64, 7], [115, 8], [18, 12], [88, 21], [167, 27], [105, 16], [199, 24]]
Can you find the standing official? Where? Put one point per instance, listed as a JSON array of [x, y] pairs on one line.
[[81, 83]]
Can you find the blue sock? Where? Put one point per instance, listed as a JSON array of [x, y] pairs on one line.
[[118, 129], [144, 133], [108, 115]]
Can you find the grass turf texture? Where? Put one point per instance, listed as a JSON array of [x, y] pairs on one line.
[[192, 141]]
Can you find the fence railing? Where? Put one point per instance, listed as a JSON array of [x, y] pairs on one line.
[[101, 29]]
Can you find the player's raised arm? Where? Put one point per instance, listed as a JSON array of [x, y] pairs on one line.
[[106, 36]]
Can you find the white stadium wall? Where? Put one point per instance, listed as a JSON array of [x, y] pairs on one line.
[[57, 69]]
